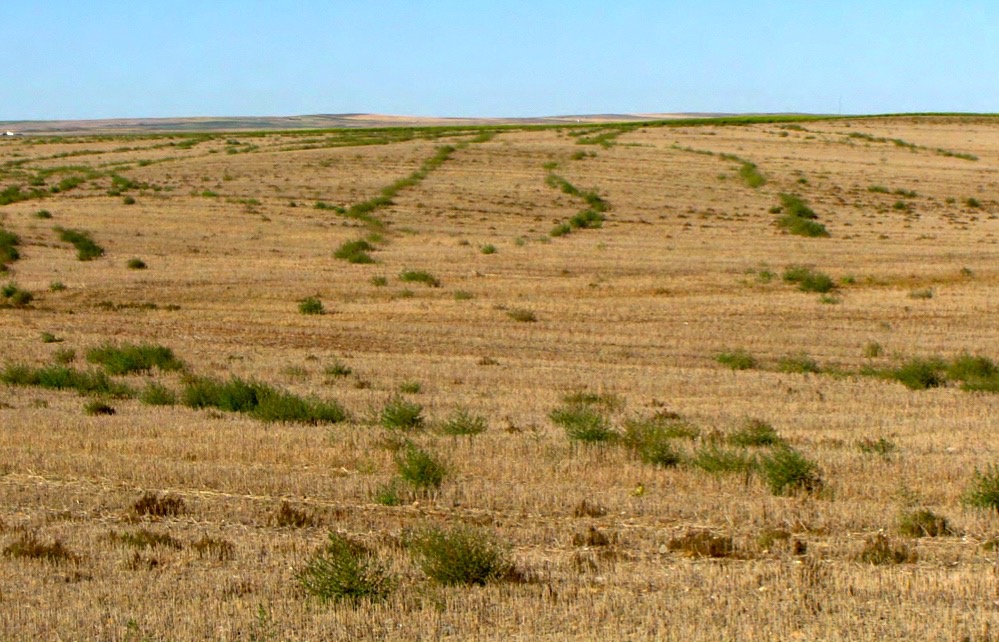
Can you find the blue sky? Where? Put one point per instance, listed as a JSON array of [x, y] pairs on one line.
[[101, 59]]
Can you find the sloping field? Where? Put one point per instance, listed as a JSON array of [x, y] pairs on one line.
[[667, 381]]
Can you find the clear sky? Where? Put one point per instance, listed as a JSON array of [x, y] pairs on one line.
[[70, 59]]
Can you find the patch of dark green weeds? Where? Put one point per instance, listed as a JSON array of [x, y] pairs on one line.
[[134, 358], [419, 276], [738, 359], [751, 175], [355, 252], [920, 373], [651, 438], [337, 370], [13, 296], [136, 264], [460, 555], [86, 248], [345, 570], [716, 460], [8, 247], [809, 280], [60, 377], [14, 194], [156, 394], [260, 401], [582, 422], [311, 306], [798, 218], [787, 472]]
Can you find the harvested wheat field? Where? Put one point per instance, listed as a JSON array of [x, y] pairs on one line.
[[683, 380]]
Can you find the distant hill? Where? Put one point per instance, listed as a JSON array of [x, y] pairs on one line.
[[315, 121]]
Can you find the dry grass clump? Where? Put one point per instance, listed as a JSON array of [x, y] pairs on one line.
[[702, 543], [154, 505], [880, 549], [29, 546]]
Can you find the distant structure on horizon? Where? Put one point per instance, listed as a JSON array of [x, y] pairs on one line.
[[10, 133]]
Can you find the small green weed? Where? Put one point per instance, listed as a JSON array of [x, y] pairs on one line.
[[715, 460], [787, 471], [920, 374], [462, 422], [311, 305], [583, 423], [798, 363], [133, 358], [345, 570], [983, 490], [156, 394], [355, 252], [461, 555], [755, 433], [410, 387], [400, 414], [86, 248], [15, 297], [419, 276], [809, 280], [337, 370], [420, 469], [737, 359], [136, 264]]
